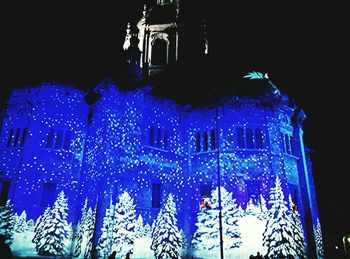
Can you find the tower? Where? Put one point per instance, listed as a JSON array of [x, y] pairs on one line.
[[167, 33]]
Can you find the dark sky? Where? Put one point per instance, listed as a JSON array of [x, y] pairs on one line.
[[301, 46]]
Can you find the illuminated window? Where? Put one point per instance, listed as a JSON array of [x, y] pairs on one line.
[[24, 135], [16, 138], [159, 137], [156, 195], [240, 138], [258, 139], [198, 142], [50, 138], [291, 144], [205, 190], [48, 194], [59, 138], [253, 191], [10, 138], [67, 140], [249, 138], [5, 187], [165, 139], [213, 140], [205, 141], [151, 136], [159, 52], [288, 144]]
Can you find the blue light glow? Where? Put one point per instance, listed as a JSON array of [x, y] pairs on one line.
[[132, 177]]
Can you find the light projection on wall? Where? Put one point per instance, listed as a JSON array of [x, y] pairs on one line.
[[137, 174]]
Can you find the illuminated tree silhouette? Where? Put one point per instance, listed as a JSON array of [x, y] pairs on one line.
[[166, 238], [7, 221], [278, 234]]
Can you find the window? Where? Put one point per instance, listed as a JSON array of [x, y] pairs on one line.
[[213, 140], [24, 135], [67, 140], [288, 144], [253, 191], [159, 137], [249, 138], [291, 145], [198, 142], [16, 138], [10, 138], [156, 195], [165, 139], [293, 190], [151, 136], [50, 138], [159, 52], [205, 141], [205, 190], [5, 187], [48, 194], [59, 138], [258, 139], [240, 138]]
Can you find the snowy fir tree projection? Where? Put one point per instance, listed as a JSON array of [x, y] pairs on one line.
[[52, 233], [319, 240], [278, 236], [205, 239], [166, 237], [298, 245], [7, 222], [105, 242], [123, 232], [117, 154]]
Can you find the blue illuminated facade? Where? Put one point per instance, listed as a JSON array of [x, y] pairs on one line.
[[53, 141], [110, 155]]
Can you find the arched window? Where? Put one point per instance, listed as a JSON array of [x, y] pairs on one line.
[[287, 144], [165, 139], [16, 138], [151, 136], [249, 138], [159, 52], [198, 142], [59, 139], [258, 139], [205, 141], [50, 138], [240, 138], [67, 139], [10, 138], [159, 137], [213, 140], [24, 135]]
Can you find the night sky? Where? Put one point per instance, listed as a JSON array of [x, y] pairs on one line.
[[302, 48]]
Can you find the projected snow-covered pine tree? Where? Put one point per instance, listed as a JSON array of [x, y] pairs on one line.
[[80, 229], [139, 227], [105, 242], [21, 222], [124, 225], [7, 221], [278, 234], [166, 238], [298, 233], [38, 230], [55, 228], [207, 234], [90, 228], [318, 239]]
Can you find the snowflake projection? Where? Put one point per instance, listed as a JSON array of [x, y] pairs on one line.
[[113, 156]]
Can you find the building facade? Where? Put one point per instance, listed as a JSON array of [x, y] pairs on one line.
[[132, 156]]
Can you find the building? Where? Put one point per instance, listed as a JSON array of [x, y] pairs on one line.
[[125, 150]]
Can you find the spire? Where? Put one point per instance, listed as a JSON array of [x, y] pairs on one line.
[[205, 38], [127, 36]]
